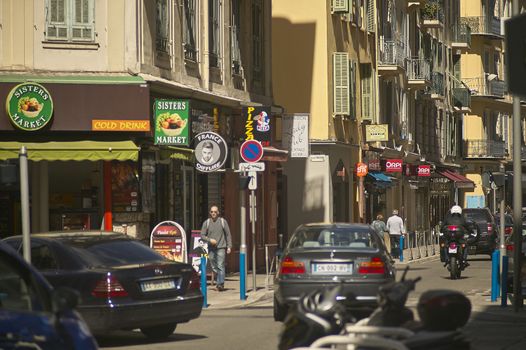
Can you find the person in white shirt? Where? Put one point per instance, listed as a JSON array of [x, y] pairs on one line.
[[395, 225]]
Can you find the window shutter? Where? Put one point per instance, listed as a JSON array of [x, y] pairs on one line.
[[370, 15], [56, 21], [352, 86], [339, 6], [367, 98], [341, 83], [82, 23], [358, 12]]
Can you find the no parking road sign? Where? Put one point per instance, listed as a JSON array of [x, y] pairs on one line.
[[251, 151]]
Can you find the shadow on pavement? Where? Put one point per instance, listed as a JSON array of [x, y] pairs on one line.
[[130, 338], [494, 327]]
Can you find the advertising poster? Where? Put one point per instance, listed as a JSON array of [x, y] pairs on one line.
[[296, 134], [199, 247], [257, 124], [211, 151], [124, 187], [171, 122], [168, 238]]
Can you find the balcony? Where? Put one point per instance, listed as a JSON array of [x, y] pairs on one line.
[[461, 40], [414, 4], [432, 14], [436, 90], [484, 25], [418, 72], [485, 149], [462, 98], [391, 58], [489, 86]]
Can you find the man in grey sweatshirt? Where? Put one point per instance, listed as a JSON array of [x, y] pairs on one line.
[[216, 233]]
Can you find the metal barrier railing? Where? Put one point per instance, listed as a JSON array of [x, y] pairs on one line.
[[421, 243], [271, 264]]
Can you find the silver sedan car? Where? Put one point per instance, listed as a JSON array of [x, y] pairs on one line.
[[324, 255]]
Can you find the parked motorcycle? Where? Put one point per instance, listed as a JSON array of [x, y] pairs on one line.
[[454, 247], [320, 320]]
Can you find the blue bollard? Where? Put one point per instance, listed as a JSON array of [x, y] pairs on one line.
[[242, 277], [504, 282], [401, 248], [495, 257], [203, 280]]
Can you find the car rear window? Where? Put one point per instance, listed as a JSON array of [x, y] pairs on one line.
[[477, 215], [114, 252], [323, 237]]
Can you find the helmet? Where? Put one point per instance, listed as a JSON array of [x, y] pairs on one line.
[[456, 209]]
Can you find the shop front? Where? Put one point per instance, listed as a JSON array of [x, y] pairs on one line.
[[83, 143]]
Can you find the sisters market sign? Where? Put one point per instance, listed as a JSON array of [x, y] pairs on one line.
[[171, 122], [29, 106]]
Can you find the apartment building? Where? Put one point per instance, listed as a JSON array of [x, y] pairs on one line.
[[104, 63]]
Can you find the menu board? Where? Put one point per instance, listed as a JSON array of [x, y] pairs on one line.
[[168, 238], [199, 248], [125, 187]]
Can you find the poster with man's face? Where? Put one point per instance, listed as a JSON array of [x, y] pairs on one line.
[[211, 151]]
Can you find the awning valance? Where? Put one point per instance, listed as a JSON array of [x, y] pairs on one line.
[[274, 154], [72, 150], [172, 152], [379, 177], [459, 181]]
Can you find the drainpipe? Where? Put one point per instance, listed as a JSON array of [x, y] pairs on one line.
[[205, 58]]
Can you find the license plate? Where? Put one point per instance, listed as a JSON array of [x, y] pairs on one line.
[[150, 286], [332, 268], [452, 250]]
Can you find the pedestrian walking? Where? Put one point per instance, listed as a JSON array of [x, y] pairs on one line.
[[216, 233], [380, 228], [395, 225]]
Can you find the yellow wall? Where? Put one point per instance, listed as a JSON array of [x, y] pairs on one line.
[[470, 8], [300, 65]]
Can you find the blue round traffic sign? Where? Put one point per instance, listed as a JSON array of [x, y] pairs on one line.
[[251, 151]]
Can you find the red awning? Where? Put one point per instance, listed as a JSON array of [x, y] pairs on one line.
[[274, 154], [460, 181]]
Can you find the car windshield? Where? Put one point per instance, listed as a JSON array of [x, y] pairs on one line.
[[333, 237], [115, 252], [477, 215]]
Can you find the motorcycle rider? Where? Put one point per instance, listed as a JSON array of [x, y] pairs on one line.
[[455, 217]]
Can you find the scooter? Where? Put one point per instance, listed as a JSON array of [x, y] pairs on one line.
[[320, 319], [454, 245]]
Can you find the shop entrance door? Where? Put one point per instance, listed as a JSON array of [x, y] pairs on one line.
[[188, 198]]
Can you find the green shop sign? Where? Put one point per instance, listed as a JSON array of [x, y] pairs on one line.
[[29, 106], [171, 122]]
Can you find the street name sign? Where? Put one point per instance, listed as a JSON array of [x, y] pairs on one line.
[[252, 166]]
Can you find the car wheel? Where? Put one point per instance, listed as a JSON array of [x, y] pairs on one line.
[[159, 332], [280, 311]]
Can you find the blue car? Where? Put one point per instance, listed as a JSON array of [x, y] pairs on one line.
[[33, 314]]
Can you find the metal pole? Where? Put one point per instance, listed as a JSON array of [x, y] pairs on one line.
[[243, 247], [24, 201], [253, 222], [502, 244], [517, 193]]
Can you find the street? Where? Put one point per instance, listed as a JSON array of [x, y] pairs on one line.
[[254, 328]]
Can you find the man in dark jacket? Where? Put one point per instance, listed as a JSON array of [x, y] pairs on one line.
[[455, 218]]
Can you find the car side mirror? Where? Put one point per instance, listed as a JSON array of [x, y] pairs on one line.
[[64, 299]]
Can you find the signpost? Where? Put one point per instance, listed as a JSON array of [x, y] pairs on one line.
[[251, 151]]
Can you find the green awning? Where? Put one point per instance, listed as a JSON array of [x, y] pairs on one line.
[[72, 79], [72, 150], [180, 153]]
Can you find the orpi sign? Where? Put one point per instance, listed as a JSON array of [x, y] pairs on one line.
[[424, 170], [393, 166]]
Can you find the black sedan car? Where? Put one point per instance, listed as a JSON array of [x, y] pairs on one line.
[[123, 283], [322, 255], [487, 241]]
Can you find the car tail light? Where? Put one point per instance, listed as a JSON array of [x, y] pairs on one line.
[[452, 227], [509, 247], [490, 228], [508, 230], [109, 287], [195, 282], [376, 265], [289, 266], [452, 245]]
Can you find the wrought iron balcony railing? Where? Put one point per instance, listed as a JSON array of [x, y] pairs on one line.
[[418, 69], [484, 149], [485, 86], [461, 97], [485, 25], [393, 53], [433, 11], [437, 84], [462, 34]]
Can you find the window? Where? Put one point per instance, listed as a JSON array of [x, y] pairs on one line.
[[214, 34], [42, 257], [161, 34], [370, 15], [69, 20], [257, 40], [190, 31], [235, 39]]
